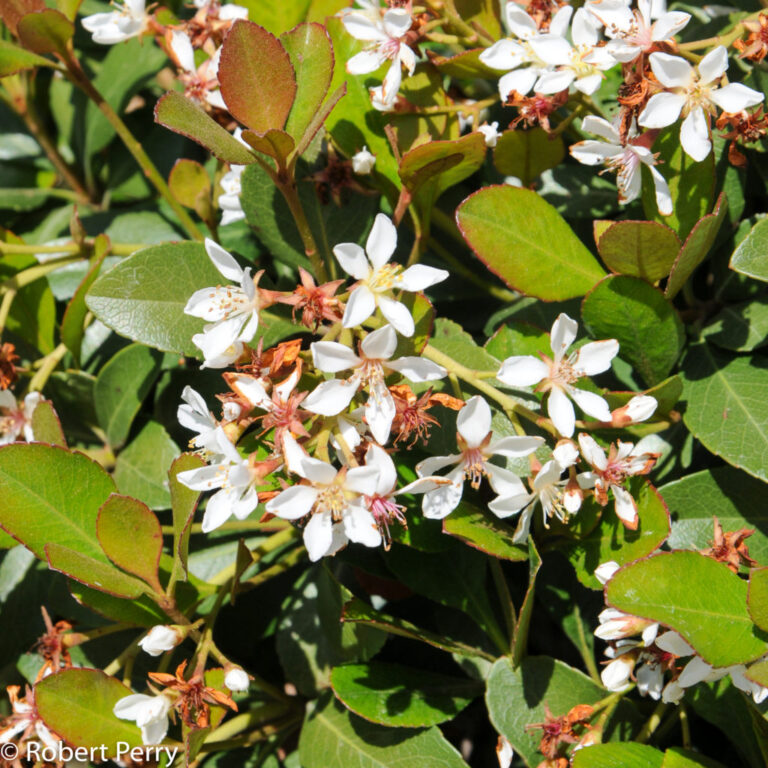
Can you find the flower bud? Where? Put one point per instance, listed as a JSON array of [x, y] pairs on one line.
[[491, 133], [237, 679], [604, 572], [363, 162], [615, 676], [160, 639], [615, 625], [639, 408]]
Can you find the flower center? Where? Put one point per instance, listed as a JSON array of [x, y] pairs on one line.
[[332, 499], [563, 372], [474, 466], [384, 279]]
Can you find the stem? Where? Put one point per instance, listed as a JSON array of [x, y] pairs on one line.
[[236, 527], [685, 726], [588, 657], [462, 26], [5, 307], [244, 721], [80, 79], [291, 195], [507, 606], [27, 276], [260, 734], [450, 109], [724, 39], [652, 723], [49, 363], [117, 249]]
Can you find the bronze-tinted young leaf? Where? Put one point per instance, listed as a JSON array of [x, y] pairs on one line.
[[46, 31], [527, 154], [257, 79], [14, 59], [311, 55], [11, 11], [696, 247], [131, 537], [275, 143], [179, 114], [46, 426], [77, 705], [644, 249]]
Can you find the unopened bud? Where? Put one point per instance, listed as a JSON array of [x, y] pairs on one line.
[[572, 496], [615, 625], [490, 133], [566, 453], [237, 679], [604, 572], [160, 639], [363, 162], [504, 752], [639, 408]]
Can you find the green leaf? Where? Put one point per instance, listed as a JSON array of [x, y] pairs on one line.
[[523, 625], [518, 339], [14, 59], [675, 757], [261, 102], [725, 410], [394, 695], [701, 599], [463, 66], [120, 389], [691, 184], [92, 573], [450, 338], [645, 324], [484, 531], [332, 737], [751, 256], [73, 322], [644, 249], [143, 297], [611, 540], [51, 494], [183, 504], [77, 705], [311, 55], [757, 597], [696, 247], [181, 115], [527, 154], [131, 537], [618, 756], [46, 31], [517, 698], [522, 239], [140, 612], [736, 499], [274, 143], [481, 14], [141, 469], [190, 184], [740, 327], [311, 639], [46, 426], [277, 17]]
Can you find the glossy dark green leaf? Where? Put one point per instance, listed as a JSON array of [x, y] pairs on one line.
[[484, 531], [740, 327], [618, 756]]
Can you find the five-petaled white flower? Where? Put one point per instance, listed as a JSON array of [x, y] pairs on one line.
[[626, 159], [473, 463], [233, 310], [633, 32], [378, 278], [194, 414], [201, 83], [557, 375], [232, 475], [124, 22], [694, 93], [609, 473], [369, 369], [15, 417], [385, 37], [149, 712], [334, 497]]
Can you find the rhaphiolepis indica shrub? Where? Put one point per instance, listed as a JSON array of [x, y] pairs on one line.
[[383, 385]]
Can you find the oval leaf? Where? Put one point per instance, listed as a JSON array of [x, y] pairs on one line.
[[644, 249], [751, 257]]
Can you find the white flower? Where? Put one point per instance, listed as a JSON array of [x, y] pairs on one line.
[[237, 679], [616, 625], [369, 369], [523, 58], [558, 375], [626, 159], [491, 133], [616, 674], [194, 414], [149, 712], [233, 310], [201, 83], [549, 491], [24, 719], [160, 639], [605, 571], [694, 93], [233, 476], [16, 418], [639, 408], [126, 21], [334, 499], [385, 38], [379, 278], [363, 161], [474, 438], [231, 189], [609, 472], [633, 32]]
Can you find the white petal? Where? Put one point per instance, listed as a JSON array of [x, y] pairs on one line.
[[218, 510], [505, 506], [504, 482], [154, 732], [380, 412], [661, 110], [604, 572], [563, 334], [561, 412], [398, 315], [474, 421], [331, 397], [671, 642], [696, 671], [650, 680], [566, 454], [252, 390], [360, 527], [615, 676], [420, 277], [712, 67], [503, 55], [671, 71], [131, 707], [552, 49], [626, 509], [365, 62], [596, 356], [332, 357], [515, 445], [352, 259], [519, 22], [418, 369], [589, 84], [378, 458], [293, 502], [593, 454], [663, 195], [521, 80], [362, 480], [181, 46], [440, 503], [591, 152], [694, 135], [599, 126], [554, 82], [559, 24], [223, 261], [522, 371], [380, 344], [362, 27], [397, 21], [318, 535], [361, 304], [736, 97], [382, 241], [669, 25], [435, 464], [591, 404]]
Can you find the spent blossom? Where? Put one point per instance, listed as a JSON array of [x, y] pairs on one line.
[[378, 278], [695, 94], [477, 447], [557, 375]]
